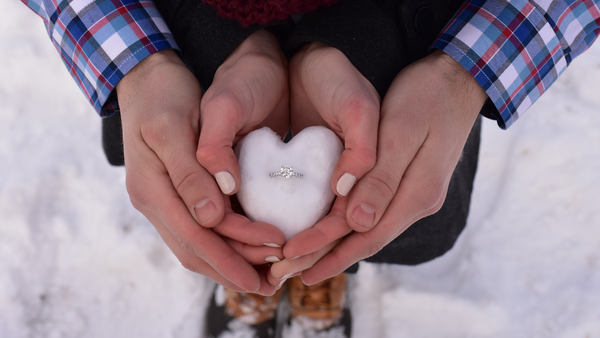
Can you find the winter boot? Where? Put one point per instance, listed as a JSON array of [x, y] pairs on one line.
[[319, 308], [244, 315]]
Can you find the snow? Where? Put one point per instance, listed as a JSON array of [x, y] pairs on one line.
[[76, 260], [294, 203]]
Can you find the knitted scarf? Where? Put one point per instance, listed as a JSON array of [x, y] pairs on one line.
[[249, 12]]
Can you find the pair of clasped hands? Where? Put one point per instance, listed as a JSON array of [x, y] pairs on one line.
[[181, 168]]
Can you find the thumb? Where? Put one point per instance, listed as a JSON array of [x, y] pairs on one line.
[[221, 120]]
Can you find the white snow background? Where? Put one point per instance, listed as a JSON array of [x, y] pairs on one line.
[[76, 260]]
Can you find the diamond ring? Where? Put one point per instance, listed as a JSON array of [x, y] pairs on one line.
[[285, 172]]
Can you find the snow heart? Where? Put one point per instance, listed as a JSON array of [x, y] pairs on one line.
[[288, 185]]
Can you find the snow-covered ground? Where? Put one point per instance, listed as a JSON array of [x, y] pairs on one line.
[[76, 260]]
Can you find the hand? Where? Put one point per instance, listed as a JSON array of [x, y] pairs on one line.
[[160, 103], [249, 91], [426, 118], [326, 89]]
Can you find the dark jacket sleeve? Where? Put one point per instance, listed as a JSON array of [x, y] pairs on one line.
[[205, 38], [379, 37]]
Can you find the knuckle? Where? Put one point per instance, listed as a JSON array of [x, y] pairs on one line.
[[154, 131], [206, 153], [135, 189], [358, 107], [372, 247], [223, 103], [375, 248], [187, 246], [368, 157], [431, 197], [380, 182], [184, 181]]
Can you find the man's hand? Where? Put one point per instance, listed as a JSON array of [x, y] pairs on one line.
[[426, 117], [160, 105]]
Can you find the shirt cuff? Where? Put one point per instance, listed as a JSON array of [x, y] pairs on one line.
[[509, 48], [100, 41]]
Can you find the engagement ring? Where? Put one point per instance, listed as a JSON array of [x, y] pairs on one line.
[[285, 172]]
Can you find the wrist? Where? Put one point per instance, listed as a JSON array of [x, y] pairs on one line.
[[261, 43], [139, 73], [467, 91]]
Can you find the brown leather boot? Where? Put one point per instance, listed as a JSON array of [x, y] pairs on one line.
[[232, 312], [320, 306], [251, 308]]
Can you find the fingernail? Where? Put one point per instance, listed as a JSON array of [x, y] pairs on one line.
[[272, 245], [345, 184], [225, 182], [291, 259], [272, 259], [281, 283], [204, 210], [364, 215]]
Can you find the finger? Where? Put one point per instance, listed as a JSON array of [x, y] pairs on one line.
[[176, 148], [266, 288], [331, 228], [255, 255], [286, 268], [241, 229], [187, 259], [278, 283]]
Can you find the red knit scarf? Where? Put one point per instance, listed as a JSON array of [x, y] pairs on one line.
[[249, 12]]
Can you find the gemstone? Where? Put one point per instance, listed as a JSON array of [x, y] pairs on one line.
[[286, 171]]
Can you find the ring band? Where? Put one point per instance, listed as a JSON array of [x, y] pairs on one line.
[[285, 172]]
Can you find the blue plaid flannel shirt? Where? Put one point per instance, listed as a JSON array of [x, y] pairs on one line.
[[101, 40], [515, 49]]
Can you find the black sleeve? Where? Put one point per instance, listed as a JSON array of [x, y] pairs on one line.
[[205, 38], [379, 37]]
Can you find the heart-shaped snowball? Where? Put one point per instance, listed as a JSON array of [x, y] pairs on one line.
[[271, 189]]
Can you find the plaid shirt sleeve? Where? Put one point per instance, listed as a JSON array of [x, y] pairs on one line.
[[101, 40], [516, 49]]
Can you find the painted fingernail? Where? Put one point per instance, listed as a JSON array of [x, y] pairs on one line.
[[205, 210], [345, 184], [364, 215], [272, 245], [272, 259], [225, 182]]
